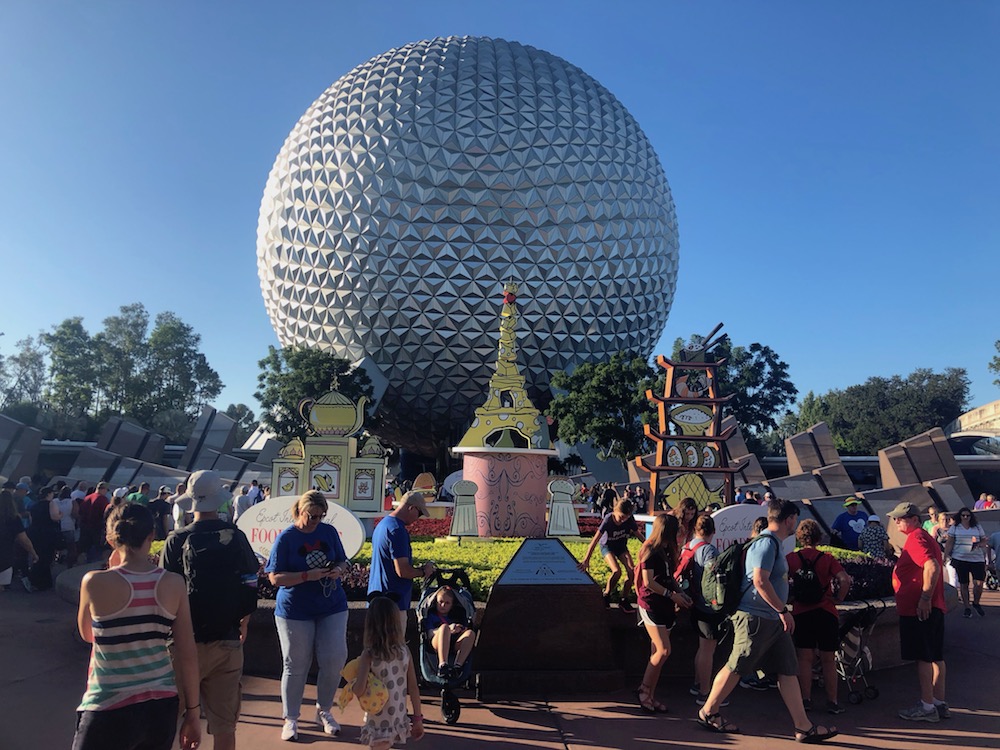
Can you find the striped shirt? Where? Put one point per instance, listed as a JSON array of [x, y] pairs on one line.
[[130, 662]]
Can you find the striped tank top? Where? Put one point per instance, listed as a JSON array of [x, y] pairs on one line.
[[130, 662]]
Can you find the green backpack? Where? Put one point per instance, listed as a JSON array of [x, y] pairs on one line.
[[724, 580]]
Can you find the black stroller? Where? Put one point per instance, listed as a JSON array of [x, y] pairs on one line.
[[458, 580], [854, 658]]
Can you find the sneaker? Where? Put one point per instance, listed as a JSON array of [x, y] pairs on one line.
[[444, 672], [607, 601], [979, 609], [967, 614], [752, 683], [834, 708], [693, 690], [943, 711], [626, 607], [290, 731], [326, 720], [29, 588], [919, 713]]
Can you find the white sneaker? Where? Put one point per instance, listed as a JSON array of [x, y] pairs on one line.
[[326, 720], [290, 731]]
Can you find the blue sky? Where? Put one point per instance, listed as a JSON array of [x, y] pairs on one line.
[[835, 165]]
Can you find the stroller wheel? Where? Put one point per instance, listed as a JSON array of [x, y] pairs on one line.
[[871, 692], [451, 709], [854, 697]]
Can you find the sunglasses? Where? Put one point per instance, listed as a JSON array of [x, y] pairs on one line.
[[964, 515], [315, 516]]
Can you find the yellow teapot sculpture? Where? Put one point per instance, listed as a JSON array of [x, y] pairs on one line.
[[334, 414]]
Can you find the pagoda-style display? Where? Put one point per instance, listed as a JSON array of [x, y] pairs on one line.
[[349, 469], [506, 450], [689, 440]]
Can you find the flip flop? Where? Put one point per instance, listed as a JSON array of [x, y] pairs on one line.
[[813, 736], [722, 727]]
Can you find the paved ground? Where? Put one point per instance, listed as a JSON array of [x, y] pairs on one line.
[[45, 664]]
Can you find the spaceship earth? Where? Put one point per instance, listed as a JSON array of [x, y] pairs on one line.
[[420, 181]]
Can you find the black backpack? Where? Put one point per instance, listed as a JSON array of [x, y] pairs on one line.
[[724, 578], [219, 598], [805, 586]]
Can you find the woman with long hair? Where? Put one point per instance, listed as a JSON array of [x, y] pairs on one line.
[[966, 550], [658, 594], [685, 513], [128, 612]]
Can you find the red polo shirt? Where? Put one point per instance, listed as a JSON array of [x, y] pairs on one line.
[[908, 575]]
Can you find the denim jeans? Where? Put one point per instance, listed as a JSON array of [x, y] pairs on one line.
[[327, 638]]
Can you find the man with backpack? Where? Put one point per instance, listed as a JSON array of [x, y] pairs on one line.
[[220, 569], [763, 627]]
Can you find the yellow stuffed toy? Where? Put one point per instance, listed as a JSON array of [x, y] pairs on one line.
[[375, 696]]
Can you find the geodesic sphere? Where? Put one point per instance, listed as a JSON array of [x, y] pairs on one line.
[[420, 181]]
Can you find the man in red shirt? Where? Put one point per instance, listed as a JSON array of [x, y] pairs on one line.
[[92, 534], [919, 588]]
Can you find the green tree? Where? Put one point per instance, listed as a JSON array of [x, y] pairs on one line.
[[994, 364], [883, 411], [605, 403], [289, 375], [22, 375], [120, 355], [758, 380], [245, 420], [72, 373]]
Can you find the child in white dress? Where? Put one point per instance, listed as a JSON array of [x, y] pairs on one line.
[[387, 657]]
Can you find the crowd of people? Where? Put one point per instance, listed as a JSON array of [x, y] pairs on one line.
[[62, 522]]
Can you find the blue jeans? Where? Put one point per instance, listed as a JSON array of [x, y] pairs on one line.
[[327, 638]]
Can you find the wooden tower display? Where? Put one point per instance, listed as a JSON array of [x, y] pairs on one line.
[[689, 439]]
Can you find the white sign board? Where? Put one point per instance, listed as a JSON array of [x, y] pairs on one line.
[[264, 521], [542, 562], [735, 523]]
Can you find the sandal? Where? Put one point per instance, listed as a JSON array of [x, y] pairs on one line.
[[813, 735], [715, 723], [647, 702]]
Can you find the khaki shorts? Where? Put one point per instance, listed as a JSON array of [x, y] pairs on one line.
[[220, 665], [761, 644]]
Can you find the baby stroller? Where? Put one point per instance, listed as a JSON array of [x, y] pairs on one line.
[[991, 578], [854, 658], [458, 580]]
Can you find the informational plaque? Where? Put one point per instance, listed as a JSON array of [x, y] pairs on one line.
[[543, 562], [735, 524]]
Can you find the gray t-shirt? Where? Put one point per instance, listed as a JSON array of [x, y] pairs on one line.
[[702, 556], [765, 553]]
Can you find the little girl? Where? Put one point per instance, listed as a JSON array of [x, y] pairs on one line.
[[613, 535], [388, 658], [448, 628]]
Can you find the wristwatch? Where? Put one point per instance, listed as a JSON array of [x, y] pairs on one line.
[[786, 610]]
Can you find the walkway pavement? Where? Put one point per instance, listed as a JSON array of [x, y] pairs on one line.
[[45, 664]]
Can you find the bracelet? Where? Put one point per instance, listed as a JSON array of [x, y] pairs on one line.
[[192, 708], [417, 717]]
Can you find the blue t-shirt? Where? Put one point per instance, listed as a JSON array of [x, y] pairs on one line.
[[295, 551], [765, 553], [390, 541], [850, 527]]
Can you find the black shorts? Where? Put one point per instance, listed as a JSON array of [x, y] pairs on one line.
[[817, 628], [707, 624], [977, 570], [149, 725], [922, 640]]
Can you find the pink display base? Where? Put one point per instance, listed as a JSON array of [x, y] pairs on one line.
[[512, 492]]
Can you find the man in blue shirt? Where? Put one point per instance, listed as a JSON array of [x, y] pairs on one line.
[[847, 527], [392, 572], [762, 628]]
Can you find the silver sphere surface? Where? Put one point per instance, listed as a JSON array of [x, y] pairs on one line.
[[420, 181]]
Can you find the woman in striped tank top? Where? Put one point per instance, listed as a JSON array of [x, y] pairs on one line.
[[128, 613]]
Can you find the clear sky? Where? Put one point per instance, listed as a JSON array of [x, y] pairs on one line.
[[835, 165]]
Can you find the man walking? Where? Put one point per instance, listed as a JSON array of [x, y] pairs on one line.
[[140, 497], [762, 627], [91, 520], [220, 569], [919, 588], [392, 572]]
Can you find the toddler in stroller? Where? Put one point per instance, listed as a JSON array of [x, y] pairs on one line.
[[445, 615]]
